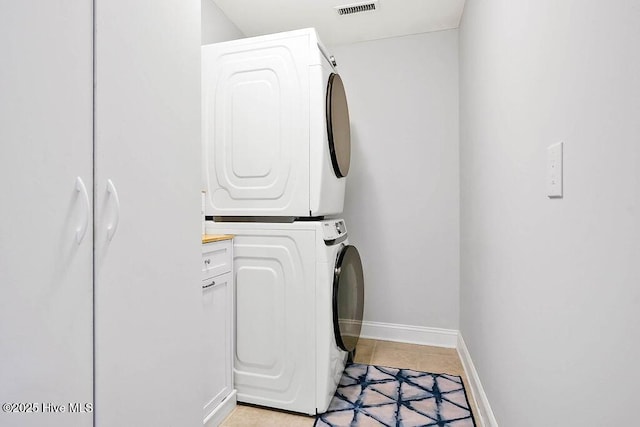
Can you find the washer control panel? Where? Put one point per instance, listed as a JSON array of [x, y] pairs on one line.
[[333, 229]]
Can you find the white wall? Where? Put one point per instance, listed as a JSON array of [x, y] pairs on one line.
[[402, 198], [216, 27], [550, 289]]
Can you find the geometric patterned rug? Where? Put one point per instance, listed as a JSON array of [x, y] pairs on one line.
[[379, 396]]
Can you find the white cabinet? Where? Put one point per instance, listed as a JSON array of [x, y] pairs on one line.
[[107, 91], [148, 304], [217, 330], [46, 270]]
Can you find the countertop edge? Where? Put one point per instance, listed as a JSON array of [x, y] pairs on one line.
[[210, 238]]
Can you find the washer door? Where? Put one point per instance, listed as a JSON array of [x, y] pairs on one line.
[[338, 127], [348, 298]]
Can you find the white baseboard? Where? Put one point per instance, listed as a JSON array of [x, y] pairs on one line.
[[487, 419], [217, 416], [410, 334]]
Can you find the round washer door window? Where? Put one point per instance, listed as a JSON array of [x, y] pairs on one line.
[[348, 298], [338, 127]]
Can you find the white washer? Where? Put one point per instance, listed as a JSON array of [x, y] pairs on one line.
[[276, 133], [299, 303]]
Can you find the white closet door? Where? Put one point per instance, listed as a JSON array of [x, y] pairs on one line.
[[148, 248], [46, 237]]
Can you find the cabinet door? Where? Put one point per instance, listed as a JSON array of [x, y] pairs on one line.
[[148, 294], [217, 301], [46, 272]]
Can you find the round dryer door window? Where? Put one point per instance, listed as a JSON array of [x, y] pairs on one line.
[[338, 127], [348, 298]]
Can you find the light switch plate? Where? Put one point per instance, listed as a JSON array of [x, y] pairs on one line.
[[554, 170]]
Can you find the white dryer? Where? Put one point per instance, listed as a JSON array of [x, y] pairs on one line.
[[276, 132], [299, 295]]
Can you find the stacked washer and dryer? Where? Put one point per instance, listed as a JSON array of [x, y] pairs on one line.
[[276, 153]]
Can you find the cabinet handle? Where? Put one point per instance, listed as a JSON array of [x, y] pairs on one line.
[[207, 261], [111, 191], [213, 282], [82, 229]]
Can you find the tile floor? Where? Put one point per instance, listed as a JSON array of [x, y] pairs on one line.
[[384, 353]]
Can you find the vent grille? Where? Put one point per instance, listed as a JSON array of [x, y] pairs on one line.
[[356, 8]]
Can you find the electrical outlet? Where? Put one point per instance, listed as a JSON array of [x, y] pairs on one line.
[[554, 170]]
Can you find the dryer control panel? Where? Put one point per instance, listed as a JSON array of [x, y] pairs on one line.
[[334, 231]]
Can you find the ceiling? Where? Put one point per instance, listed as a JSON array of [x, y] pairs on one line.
[[390, 19]]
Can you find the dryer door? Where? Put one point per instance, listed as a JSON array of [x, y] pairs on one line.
[[338, 127], [348, 298]]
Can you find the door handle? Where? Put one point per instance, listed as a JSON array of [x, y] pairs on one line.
[[82, 228], [112, 192]]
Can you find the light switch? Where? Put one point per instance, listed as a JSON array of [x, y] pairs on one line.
[[554, 170]]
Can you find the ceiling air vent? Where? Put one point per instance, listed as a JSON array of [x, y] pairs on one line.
[[349, 9]]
